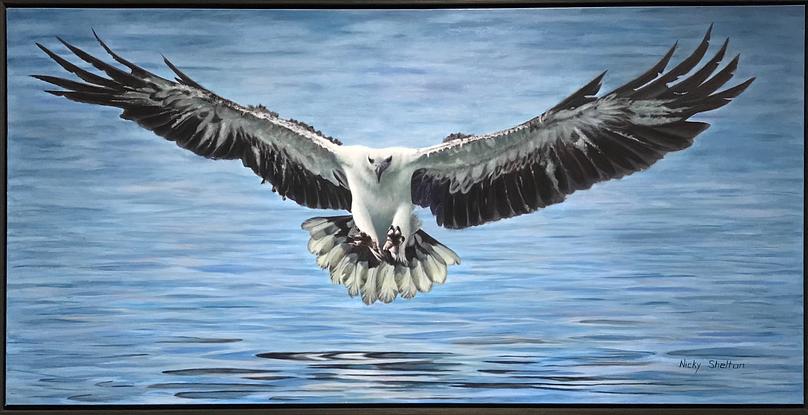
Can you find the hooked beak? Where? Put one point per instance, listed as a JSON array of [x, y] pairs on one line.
[[379, 170], [379, 166]]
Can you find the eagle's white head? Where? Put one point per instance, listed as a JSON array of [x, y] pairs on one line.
[[378, 165]]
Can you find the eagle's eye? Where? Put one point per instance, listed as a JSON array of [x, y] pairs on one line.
[[370, 160]]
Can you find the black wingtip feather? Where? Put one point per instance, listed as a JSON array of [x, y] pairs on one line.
[[113, 54], [648, 75], [72, 85], [72, 48], [711, 85], [599, 80], [736, 90], [722, 51], [64, 42], [659, 85], [183, 78], [687, 85], [583, 95], [136, 70], [113, 72], [81, 73], [721, 77]]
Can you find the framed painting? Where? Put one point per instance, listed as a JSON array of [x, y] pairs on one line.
[[249, 206]]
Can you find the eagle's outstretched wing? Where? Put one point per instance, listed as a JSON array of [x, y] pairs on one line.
[[298, 161], [471, 180]]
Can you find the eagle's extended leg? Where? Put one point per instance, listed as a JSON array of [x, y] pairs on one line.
[[398, 234], [394, 246], [361, 239]]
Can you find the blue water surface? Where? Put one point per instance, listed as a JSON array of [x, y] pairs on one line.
[[139, 273]]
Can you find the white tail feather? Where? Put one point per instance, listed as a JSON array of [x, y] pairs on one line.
[[419, 277], [404, 281], [354, 281], [435, 270], [448, 256], [369, 287], [387, 283]]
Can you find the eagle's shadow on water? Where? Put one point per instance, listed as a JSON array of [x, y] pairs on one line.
[[296, 376]]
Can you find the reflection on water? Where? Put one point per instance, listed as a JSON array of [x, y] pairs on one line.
[[141, 274], [413, 372], [423, 373]]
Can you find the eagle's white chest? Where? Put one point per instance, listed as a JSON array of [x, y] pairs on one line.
[[378, 205]]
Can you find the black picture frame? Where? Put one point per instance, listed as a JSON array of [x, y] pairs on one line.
[[414, 409]]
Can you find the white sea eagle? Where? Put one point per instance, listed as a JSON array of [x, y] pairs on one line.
[[379, 250]]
